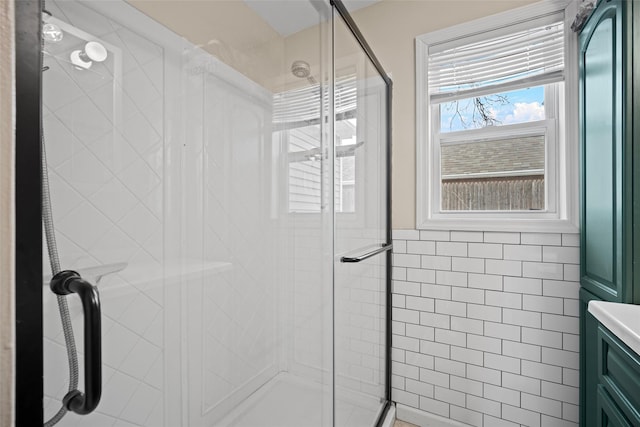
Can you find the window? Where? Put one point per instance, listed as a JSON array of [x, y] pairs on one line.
[[297, 127], [497, 138]]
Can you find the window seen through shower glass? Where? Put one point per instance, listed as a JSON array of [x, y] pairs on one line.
[[345, 168], [302, 139]]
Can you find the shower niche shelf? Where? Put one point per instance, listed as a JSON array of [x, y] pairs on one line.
[[183, 269], [96, 273]]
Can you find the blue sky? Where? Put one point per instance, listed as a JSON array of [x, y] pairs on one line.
[[523, 105]]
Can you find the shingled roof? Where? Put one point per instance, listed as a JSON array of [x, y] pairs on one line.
[[518, 156]]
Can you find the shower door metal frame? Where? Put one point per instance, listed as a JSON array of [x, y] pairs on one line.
[[29, 389], [344, 13]]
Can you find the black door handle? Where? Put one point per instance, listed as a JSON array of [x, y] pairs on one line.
[[64, 283]]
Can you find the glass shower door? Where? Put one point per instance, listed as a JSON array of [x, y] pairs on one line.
[[361, 239], [210, 166], [170, 136], [104, 139]]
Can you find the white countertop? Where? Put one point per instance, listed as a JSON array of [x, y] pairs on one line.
[[621, 319]]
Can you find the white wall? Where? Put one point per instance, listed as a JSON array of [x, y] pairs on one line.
[[7, 220], [485, 326]]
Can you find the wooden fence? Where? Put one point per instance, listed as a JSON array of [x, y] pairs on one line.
[[508, 193]]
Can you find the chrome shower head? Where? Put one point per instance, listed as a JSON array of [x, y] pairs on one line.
[[301, 69]]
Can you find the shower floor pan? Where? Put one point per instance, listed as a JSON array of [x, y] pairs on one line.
[[291, 401]]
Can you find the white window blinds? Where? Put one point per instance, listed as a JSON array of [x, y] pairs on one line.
[[300, 105], [512, 57]]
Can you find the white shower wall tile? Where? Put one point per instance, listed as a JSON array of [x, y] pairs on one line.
[[84, 172], [499, 344], [113, 108], [140, 134], [139, 88], [85, 225], [99, 77], [68, 144], [140, 224], [104, 197], [141, 404], [140, 178], [84, 119], [113, 151], [72, 198], [232, 338], [62, 90], [100, 188]]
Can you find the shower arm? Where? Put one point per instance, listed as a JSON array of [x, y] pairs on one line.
[[64, 283]]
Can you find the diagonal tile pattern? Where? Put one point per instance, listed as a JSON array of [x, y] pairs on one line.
[[107, 168], [105, 160]]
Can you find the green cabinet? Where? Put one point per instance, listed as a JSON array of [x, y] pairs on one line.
[[608, 413], [607, 154], [588, 361], [610, 189], [618, 388]]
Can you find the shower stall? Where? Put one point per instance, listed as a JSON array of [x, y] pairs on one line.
[[217, 174]]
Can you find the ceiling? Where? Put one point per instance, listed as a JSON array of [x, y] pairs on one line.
[[290, 16]]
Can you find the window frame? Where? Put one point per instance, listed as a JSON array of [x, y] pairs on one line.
[[560, 125], [547, 127]]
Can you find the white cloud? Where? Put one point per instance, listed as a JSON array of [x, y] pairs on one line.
[[525, 112]]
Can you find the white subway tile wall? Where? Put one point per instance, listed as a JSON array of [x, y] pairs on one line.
[[485, 326]]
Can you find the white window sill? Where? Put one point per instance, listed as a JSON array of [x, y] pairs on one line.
[[500, 224]]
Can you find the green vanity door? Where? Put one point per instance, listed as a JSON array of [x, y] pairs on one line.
[[604, 270]]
